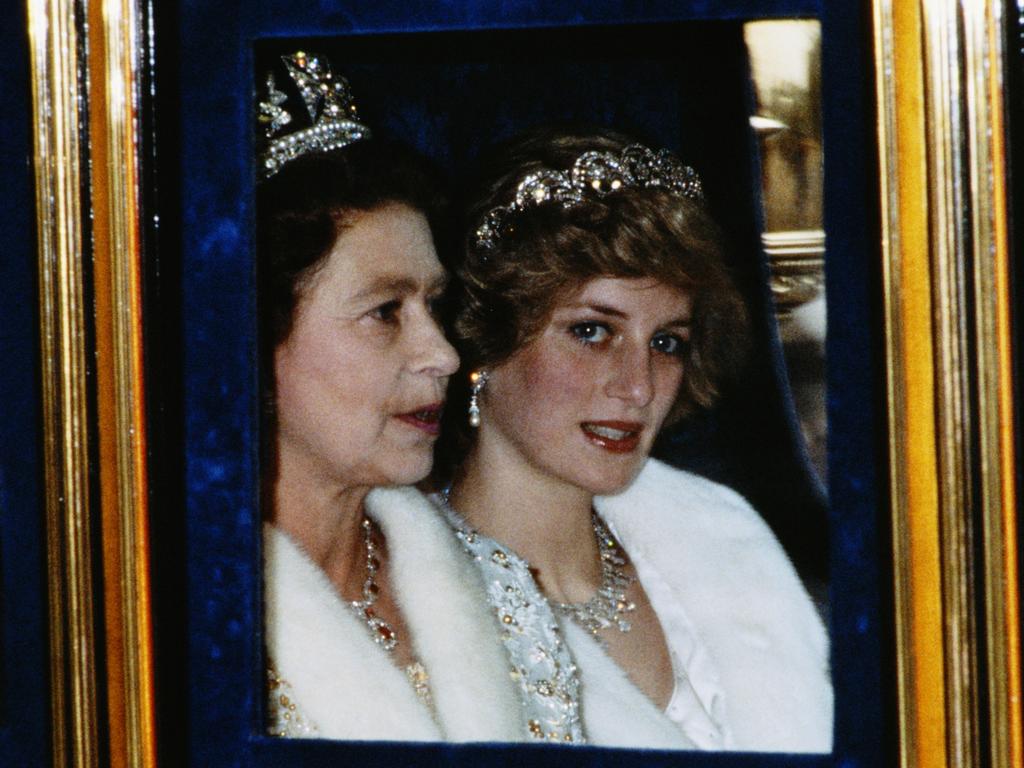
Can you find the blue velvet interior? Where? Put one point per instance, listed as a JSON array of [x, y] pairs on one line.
[[451, 99], [862, 617], [24, 666]]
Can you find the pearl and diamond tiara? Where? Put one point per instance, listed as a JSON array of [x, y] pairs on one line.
[[594, 174], [333, 121]]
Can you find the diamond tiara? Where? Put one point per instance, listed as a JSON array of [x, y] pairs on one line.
[[596, 174], [328, 102]]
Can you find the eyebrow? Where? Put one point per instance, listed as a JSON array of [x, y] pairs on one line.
[[679, 322], [401, 285]]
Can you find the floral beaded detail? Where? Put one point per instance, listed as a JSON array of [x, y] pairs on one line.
[[542, 667], [284, 718]]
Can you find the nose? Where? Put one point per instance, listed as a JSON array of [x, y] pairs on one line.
[[632, 377], [432, 352]]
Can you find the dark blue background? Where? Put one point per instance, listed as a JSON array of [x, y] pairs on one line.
[[24, 649], [210, 682]]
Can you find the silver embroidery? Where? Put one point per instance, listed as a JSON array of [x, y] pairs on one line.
[[541, 664]]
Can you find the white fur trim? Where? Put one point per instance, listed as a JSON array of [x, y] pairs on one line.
[[743, 598], [348, 686], [455, 633], [341, 681], [615, 712]]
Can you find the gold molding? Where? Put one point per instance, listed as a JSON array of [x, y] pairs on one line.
[[67, 88], [984, 54], [910, 369], [943, 191], [115, 56], [56, 90], [948, 192]]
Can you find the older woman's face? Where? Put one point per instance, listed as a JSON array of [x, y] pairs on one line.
[[360, 379], [583, 402]]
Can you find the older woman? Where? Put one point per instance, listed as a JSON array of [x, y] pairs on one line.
[[642, 605], [376, 627]]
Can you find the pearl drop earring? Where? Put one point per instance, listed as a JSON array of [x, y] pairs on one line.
[[477, 380]]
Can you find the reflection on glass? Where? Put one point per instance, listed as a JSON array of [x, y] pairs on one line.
[[785, 64]]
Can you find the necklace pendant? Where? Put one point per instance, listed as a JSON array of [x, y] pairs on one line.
[[609, 603], [383, 634]]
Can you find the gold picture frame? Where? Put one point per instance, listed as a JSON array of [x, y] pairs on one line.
[[939, 78], [951, 414], [86, 123]]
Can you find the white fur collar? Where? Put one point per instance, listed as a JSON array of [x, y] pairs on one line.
[[615, 712], [347, 685], [744, 599]]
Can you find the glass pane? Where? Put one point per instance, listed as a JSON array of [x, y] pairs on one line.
[[785, 63]]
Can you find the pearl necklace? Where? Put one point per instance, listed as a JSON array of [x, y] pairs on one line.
[[383, 633], [609, 606]]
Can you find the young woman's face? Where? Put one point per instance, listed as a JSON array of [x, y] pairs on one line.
[[360, 379], [583, 402]]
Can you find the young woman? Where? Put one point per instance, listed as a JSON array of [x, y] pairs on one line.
[[376, 627], [641, 605]]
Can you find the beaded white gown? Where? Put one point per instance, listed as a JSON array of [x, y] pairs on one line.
[[748, 649]]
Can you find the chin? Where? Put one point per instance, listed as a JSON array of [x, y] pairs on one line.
[[411, 472], [611, 482]]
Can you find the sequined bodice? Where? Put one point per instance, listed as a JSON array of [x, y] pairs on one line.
[[541, 663]]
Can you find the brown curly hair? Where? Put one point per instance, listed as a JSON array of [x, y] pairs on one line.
[[509, 291], [505, 294]]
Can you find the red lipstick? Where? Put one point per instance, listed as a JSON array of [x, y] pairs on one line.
[[426, 419], [613, 436]]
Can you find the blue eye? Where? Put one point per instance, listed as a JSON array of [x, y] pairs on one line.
[[590, 333], [668, 344]]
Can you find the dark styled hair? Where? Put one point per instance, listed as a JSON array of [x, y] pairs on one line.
[[303, 209], [506, 293]]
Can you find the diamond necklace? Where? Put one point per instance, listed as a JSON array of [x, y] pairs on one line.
[[609, 606], [383, 633]]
